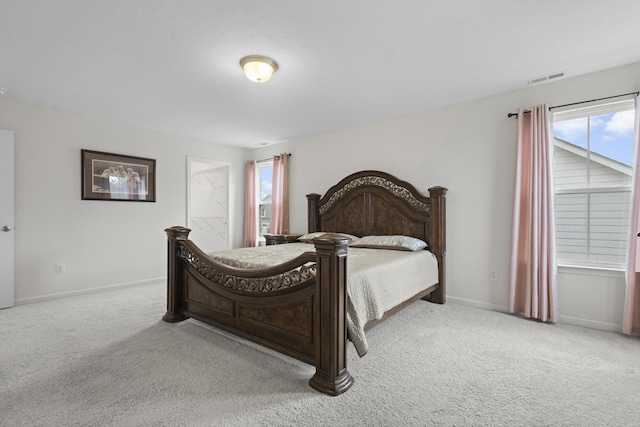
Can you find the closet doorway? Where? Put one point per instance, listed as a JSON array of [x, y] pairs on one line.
[[208, 203]]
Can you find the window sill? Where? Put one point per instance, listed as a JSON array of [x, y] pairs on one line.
[[617, 272]]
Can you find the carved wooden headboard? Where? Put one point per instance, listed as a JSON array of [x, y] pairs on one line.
[[376, 203]]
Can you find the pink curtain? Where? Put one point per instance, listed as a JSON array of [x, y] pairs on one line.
[[631, 313], [280, 195], [533, 279], [250, 220]]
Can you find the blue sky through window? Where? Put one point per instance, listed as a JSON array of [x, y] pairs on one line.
[[266, 184], [611, 135]]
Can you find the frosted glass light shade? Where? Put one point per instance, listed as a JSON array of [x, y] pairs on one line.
[[258, 69]]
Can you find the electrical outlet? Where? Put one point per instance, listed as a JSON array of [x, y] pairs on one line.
[[60, 269], [493, 275]]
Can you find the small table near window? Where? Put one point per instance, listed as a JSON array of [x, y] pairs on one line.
[[279, 239]]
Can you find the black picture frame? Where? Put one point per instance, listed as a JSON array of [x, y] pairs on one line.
[[117, 177]]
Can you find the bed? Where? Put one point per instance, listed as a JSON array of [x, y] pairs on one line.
[[301, 307]]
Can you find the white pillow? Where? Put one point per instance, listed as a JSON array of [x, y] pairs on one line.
[[307, 238], [402, 243]]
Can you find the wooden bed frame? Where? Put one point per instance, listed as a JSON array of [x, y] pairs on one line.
[[299, 308]]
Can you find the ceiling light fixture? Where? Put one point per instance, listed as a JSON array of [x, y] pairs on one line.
[[258, 68]]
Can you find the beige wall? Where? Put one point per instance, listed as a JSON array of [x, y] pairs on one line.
[[101, 243], [470, 149]]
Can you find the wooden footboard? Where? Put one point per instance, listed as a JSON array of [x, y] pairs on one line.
[[297, 308]]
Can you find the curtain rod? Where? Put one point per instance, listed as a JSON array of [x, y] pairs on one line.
[[276, 156], [636, 93]]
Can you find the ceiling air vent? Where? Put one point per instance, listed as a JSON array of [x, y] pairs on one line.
[[547, 78]]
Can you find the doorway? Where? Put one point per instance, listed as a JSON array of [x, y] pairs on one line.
[[6, 218], [208, 203]]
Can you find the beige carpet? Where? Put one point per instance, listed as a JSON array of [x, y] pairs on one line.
[[107, 359]]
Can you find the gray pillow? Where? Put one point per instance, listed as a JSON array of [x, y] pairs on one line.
[[401, 243]]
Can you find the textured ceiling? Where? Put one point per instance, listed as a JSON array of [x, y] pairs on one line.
[[173, 65]]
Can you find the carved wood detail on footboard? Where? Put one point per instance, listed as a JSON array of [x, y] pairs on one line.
[[297, 308]]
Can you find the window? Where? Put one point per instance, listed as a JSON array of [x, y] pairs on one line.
[[593, 158], [264, 179]]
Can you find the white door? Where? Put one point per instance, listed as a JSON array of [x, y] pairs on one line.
[[6, 218], [208, 203]]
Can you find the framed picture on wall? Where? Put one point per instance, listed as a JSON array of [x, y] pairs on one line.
[[108, 176]]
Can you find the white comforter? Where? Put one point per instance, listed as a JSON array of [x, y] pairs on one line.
[[377, 279]]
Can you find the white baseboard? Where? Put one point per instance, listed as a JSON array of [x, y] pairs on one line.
[[593, 324], [478, 304], [31, 300], [569, 320]]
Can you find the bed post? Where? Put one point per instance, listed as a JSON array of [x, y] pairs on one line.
[[330, 316], [174, 274], [438, 238], [313, 221]]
